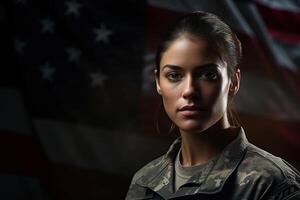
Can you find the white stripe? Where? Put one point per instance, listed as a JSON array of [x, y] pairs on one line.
[[288, 5], [224, 9], [89, 147], [261, 96], [283, 56], [291, 52], [13, 116]]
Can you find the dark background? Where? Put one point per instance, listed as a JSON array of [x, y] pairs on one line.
[[78, 109]]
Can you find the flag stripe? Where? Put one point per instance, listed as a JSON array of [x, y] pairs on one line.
[[283, 135], [21, 155], [91, 147], [164, 17], [284, 105], [13, 114], [69, 182], [288, 5], [226, 10], [281, 24]]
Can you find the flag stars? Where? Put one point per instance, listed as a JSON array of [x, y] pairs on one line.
[[98, 79], [19, 46], [73, 54], [73, 8], [102, 34], [47, 25], [47, 72]]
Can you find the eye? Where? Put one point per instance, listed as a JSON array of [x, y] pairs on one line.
[[209, 75], [174, 76]]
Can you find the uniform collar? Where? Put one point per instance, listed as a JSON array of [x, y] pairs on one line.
[[210, 180]]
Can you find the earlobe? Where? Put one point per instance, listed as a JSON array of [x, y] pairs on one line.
[[158, 89], [157, 82], [235, 83], [233, 89]]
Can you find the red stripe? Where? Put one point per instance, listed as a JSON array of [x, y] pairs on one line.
[[70, 183], [281, 23], [279, 137], [20, 154], [290, 80], [288, 37], [158, 20], [255, 57]]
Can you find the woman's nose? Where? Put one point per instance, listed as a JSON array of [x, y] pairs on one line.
[[189, 90]]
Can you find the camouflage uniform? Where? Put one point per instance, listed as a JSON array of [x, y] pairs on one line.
[[243, 171]]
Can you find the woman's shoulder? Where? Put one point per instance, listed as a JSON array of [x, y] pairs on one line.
[[261, 161], [265, 170]]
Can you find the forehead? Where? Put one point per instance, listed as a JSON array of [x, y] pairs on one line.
[[190, 51]]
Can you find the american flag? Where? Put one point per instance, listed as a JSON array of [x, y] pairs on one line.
[[77, 98]]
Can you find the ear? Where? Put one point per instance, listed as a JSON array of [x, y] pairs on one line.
[[157, 82], [235, 83]]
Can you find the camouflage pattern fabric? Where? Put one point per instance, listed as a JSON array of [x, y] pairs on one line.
[[242, 172]]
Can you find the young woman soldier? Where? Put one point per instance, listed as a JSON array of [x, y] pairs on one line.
[[197, 76]]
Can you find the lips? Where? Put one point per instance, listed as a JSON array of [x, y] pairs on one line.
[[191, 110]]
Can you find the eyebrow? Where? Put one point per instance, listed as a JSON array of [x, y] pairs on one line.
[[176, 67]]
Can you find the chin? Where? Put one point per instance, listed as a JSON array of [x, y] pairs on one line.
[[193, 126]]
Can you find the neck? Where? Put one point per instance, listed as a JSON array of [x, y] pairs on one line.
[[198, 148]]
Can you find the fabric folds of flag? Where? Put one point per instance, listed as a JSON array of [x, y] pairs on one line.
[[77, 98]]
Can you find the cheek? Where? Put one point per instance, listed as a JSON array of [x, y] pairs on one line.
[[210, 93], [170, 96], [221, 97], [215, 95]]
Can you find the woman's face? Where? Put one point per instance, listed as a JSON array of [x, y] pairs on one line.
[[194, 85]]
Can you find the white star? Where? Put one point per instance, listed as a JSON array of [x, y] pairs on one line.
[[72, 8], [74, 54], [102, 34], [97, 79], [19, 46], [47, 25], [47, 71]]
